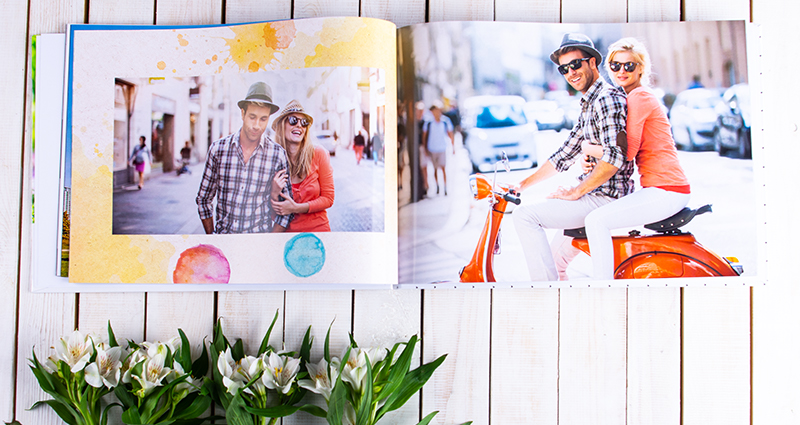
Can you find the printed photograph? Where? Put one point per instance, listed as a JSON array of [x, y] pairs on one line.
[[566, 154], [296, 151]]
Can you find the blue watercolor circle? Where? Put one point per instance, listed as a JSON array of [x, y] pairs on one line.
[[304, 255]]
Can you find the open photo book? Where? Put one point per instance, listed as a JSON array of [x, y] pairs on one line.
[[333, 153]]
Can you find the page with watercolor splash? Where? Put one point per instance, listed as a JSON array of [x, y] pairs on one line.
[[179, 88]]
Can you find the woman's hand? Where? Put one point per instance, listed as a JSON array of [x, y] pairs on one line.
[[288, 205], [278, 184]]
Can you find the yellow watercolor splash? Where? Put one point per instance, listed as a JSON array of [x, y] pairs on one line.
[[161, 65], [253, 47], [183, 42]]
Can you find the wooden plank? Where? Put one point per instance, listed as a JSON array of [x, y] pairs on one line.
[[318, 8], [188, 12], [654, 10], [654, 356], [47, 317], [524, 377], [460, 10], [247, 316], [716, 356], [716, 10], [775, 338], [121, 12], [592, 359], [125, 311], [317, 309], [12, 118], [401, 13], [535, 11], [256, 10], [383, 318], [583, 11], [457, 323]]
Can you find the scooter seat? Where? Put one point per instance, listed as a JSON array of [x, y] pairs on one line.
[[667, 225]]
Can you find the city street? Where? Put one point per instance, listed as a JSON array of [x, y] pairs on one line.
[[439, 233], [167, 205]]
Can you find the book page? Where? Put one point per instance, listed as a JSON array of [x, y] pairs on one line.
[[483, 107], [178, 131]]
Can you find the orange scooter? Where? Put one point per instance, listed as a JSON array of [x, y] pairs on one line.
[[668, 253]]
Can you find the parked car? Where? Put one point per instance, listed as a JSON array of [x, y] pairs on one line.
[[325, 139], [732, 131], [497, 124], [547, 115], [693, 118]]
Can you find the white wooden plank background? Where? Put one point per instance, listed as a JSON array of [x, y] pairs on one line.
[[663, 356]]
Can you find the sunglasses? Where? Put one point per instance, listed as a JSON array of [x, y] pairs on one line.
[[574, 64], [628, 66], [293, 120]]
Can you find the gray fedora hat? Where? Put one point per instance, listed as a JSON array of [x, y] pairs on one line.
[[580, 41], [261, 93]]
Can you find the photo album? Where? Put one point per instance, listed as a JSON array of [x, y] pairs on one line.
[[347, 153]]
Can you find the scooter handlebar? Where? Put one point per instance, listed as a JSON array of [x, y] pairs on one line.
[[511, 198]]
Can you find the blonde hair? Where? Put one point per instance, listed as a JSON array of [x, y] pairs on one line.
[[300, 164], [639, 52]]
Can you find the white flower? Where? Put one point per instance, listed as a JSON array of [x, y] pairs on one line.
[[131, 361], [76, 351], [105, 370], [355, 369], [280, 372], [152, 374], [320, 382], [229, 369], [50, 365]]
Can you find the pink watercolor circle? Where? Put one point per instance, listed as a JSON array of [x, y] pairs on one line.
[[202, 264]]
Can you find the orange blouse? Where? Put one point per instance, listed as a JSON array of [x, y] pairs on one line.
[[317, 190], [650, 142]]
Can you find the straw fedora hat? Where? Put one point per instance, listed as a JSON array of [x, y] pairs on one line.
[[293, 107], [260, 93]]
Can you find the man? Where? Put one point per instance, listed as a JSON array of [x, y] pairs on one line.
[[424, 159], [601, 122], [435, 133], [239, 171]]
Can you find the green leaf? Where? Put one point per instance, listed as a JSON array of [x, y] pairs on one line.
[[190, 409], [412, 383], [427, 419], [273, 412], [184, 353], [45, 379], [352, 340], [336, 403], [305, 348], [127, 399], [314, 410], [363, 412], [112, 340], [237, 351], [399, 369], [235, 413], [131, 416], [200, 366], [67, 414], [265, 341], [327, 352]]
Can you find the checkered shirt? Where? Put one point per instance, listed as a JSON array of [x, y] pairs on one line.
[[603, 115], [242, 190]]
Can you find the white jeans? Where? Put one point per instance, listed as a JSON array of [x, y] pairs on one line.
[[531, 220], [644, 206]]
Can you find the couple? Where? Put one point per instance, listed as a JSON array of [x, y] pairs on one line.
[[262, 186], [616, 126]]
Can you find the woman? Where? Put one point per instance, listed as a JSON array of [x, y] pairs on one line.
[[139, 158], [310, 173], [665, 189]]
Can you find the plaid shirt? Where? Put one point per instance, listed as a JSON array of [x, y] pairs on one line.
[[242, 190], [603, 116]]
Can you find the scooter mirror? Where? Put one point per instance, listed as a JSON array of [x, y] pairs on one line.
[[504, 160]]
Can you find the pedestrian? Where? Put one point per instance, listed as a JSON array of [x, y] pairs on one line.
[[238, 172], [311, 174], [359, 141], [186, 156], [435, 135], [424, 158], [602, 119], [140, 158]]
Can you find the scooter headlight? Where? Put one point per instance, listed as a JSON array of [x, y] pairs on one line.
[[473, 185]]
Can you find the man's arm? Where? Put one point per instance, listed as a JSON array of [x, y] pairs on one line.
[[544, 172], [207, 192], [208, 225], [600, 174]]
